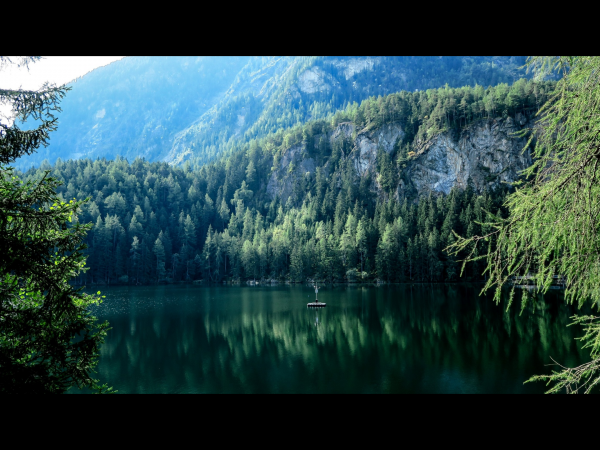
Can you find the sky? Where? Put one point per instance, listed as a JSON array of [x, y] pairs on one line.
[[54, 69]]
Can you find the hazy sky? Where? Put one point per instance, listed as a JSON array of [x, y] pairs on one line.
[[54, 69]]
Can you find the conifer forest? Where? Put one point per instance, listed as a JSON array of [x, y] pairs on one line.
[[242, 224], [154, 222]]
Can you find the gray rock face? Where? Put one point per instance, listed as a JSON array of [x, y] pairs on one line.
[[367, 143], [292, 168], [355, 65], [343, 130], [486, 152], [314, 80]]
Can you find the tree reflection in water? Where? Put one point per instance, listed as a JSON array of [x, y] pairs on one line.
[[402, 338]]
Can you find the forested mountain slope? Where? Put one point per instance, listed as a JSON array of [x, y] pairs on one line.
[[333, 199], [178, 109], [134, 107], [275, 93]]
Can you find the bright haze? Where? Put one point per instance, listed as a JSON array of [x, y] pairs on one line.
[[52, 69]]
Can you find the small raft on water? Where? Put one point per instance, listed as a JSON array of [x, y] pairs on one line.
[[316, 303]]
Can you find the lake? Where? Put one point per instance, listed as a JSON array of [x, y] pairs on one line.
[[418, 338]]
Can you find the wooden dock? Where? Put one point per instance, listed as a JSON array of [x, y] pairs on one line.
[[316, 305]]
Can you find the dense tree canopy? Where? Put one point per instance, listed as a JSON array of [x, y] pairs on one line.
[[154, 222], [48, 339]]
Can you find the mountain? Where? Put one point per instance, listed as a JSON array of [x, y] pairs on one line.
[[372, 192], [276, 93], [135, 106], [176, 109]]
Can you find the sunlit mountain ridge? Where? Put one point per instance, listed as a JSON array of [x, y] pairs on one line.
[[176, 109]]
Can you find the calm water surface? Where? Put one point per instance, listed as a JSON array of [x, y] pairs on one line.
[[390, 339]]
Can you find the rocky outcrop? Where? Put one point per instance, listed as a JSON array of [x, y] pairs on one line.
[[487, 153], [343, 130], [294, 166], [367, 143], [353, 66], [314, 80]]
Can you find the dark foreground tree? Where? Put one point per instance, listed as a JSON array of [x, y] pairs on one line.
[[49, 341], [553, 230]]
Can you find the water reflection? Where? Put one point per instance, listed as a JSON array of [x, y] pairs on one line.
[[419, 339]]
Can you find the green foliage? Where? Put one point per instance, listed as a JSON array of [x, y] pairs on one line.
[[200, 107], [158, 223], [259, 238], [553, 223], [49, 341], [584, 377]]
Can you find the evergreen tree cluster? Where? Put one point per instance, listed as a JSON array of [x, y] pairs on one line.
[[49, 339], [154, 222], [426, 113]]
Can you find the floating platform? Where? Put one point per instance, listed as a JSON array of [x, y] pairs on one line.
[[316, 305]]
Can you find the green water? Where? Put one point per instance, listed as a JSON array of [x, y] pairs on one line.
[[389, 339]]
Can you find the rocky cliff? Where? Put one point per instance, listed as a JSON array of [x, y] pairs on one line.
[[484, 154], [488, 153], [294, 166]]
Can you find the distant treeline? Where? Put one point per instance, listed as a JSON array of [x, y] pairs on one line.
[[155, 222]]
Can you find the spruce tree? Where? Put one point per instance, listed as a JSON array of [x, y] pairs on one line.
[[159, 252], [49, 341]]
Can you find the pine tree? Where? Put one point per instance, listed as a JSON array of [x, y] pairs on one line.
[[135, 259], [347, 244], [223, 213], [250, 175], [49, 341], [159, 252], [189, 232], [208, 254], [296, 264], [248, 259], [361, 243]]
